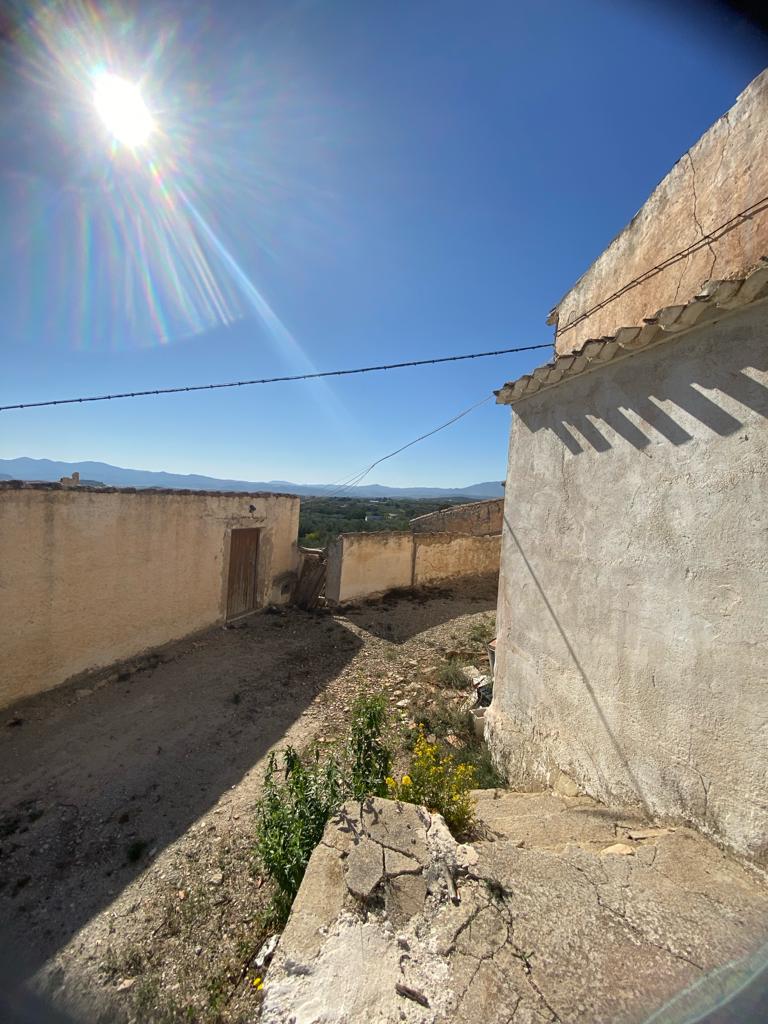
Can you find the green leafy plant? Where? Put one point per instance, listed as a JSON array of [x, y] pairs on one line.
[[293, 812], [440, 784], [302, 792], [216, 987], [368, 752]]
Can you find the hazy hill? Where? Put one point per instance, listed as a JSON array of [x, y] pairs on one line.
[[116, 476]]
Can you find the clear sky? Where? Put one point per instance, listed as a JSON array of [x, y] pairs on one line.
[[329, 184]]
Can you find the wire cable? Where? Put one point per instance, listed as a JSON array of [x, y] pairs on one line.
[[273, 380], [354, 480], [715, 235]]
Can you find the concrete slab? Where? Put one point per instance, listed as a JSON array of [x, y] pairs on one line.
[[550, 931]]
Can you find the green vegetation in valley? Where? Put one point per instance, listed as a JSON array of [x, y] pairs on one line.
[[323, 519]]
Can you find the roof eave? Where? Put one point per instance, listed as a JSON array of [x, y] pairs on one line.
[[668, 323]]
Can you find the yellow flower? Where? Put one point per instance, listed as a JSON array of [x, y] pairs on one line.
[[406, 780], [390, 782], [258, 984]]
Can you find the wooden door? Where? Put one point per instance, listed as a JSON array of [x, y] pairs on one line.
[[243, 560]]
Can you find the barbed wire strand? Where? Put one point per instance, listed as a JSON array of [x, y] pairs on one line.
[[274, 380]]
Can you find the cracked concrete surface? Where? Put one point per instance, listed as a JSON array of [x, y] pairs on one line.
[[559, 911]]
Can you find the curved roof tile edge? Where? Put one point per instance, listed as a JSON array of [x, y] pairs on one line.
[[668, 323]]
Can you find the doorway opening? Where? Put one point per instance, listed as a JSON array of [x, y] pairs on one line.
[[243, 563]]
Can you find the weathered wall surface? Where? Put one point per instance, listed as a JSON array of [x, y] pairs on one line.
[[480, 518], [724, 173], [361, 564], [366, 564], [440, 556], [632, 620], [90, 577]]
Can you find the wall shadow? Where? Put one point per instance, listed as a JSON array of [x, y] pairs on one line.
[[402, 614], [670, 373], [617, 748], [98, 780]]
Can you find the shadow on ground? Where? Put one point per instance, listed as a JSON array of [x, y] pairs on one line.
[[98, 779], [399, 615]]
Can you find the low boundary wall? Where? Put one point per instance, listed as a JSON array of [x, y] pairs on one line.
[[366, 564], [481, 518]]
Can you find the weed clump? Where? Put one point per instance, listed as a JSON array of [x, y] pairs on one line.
[[302, 792], [369, 755], [482, 631], [453, 730], [451, 675], [299, 797], [440, 784]]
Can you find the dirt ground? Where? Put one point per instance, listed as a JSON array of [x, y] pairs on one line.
[[128, 887]]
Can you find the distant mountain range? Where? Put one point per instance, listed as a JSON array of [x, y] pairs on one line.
[[115, 476]]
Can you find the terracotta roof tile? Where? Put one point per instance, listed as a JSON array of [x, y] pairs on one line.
[[668, 323]]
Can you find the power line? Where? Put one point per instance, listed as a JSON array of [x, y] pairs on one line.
[[715, 235], [353, 481], [705, 240], [272, 380]]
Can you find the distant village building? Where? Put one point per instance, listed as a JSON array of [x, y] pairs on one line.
[[633, 600]]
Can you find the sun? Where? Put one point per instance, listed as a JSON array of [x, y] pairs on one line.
[[120, 106]]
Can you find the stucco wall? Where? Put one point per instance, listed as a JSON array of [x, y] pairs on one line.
[[91, 577], [724, 173], [633, 600], [441, 556], [366, 564], [480, 518], [362, 564]]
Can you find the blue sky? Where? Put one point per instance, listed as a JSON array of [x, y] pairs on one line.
[[344, 183]]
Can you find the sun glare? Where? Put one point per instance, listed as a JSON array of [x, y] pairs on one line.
[[122, 109], [140, 249]]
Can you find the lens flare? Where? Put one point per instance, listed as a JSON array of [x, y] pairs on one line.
[[122, 109], [128, 241]]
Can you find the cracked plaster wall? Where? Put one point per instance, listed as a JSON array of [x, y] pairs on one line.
[[633, 600], [725, 172]]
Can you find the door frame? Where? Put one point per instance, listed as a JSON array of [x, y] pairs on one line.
[[258, 596]]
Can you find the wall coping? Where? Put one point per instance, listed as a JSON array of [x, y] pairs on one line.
[[52, 485], [456, 508]]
